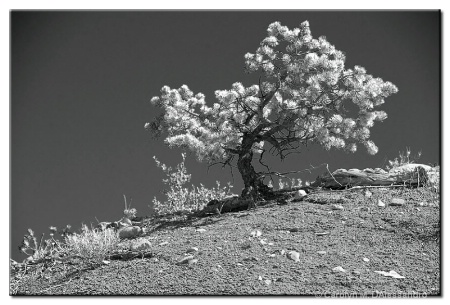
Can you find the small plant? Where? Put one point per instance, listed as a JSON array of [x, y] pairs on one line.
[[403, 159], [37, 251], [91, 246], [180, 199], [129, 212]]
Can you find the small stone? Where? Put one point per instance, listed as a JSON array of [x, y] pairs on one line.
[[192, 250], [397, 202], [391, 273], [421, 204], [141, 244], [337, 207], [356, 272], [201, 230], [192, 261], [268, 282], [418, 209], [239, 264], [129, 232], [322, 252], [366, 259], [294, 255], [299, 195], [339, 269], [186, 259], [322, 233], [260, 278], [256, 233], [282, 252], [367, 194], [263, 242], [164, 243], [381, 204], [272, 255], [219, 248], [106, 262]]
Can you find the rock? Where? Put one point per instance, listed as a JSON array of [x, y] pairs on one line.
[[263, 241], [192, 261], [397, 202], [106, 262], [294, 255], [339, 269], [255, 233], [391, 273], [185, 259], [268, 282], [381, 204], [129, 232], [366, 259], [164, 243], [192, 250], [356, 272], [337, 207], [140, 244], [201, 230], [367, 194], [299, 195], [126, 221], [421, 204], [322, 252], [322, 233]]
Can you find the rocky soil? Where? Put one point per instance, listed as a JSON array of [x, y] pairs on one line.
[[329, 243]]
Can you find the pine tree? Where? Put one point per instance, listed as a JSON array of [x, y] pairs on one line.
[[299, 99]]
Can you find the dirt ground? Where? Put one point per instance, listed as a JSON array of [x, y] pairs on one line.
[[329, 229]]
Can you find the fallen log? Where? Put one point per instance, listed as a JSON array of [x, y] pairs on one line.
[[409, 174]]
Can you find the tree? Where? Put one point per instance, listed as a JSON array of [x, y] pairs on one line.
[[300, 98]]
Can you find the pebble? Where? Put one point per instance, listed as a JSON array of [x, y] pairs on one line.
[[192, 250], [381, 204], [322, 252], [192, 261], [339, 269], [256, 233], [268, 282], [356, 272], [164, 243], [294, 255], [367, 194], [397, 202], [366, 259], [337, 207], [141, 244], [201, 230], [299, 194], [185, 259]]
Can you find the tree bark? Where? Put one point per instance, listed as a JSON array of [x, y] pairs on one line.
[[254, 187]]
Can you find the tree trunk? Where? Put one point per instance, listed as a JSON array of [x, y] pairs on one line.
[[254, 188]]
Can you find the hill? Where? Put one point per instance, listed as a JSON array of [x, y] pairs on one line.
[[294, 248]]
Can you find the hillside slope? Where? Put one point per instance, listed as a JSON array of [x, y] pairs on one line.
[[361, 238]]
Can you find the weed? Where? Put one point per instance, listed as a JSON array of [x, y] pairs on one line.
[[180, 199]]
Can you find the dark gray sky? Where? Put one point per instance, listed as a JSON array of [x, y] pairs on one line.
[[81, 84]]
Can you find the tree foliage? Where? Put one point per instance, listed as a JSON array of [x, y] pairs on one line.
[[300, 98]]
